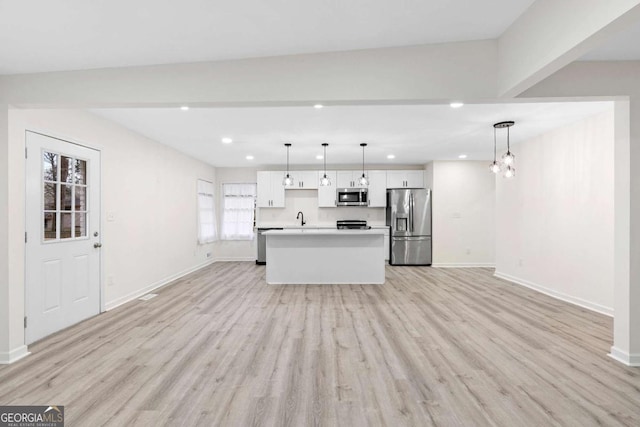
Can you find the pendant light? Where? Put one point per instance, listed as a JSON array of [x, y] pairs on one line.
[[363, 181], [288, 179], [507, 161], [325, 181]]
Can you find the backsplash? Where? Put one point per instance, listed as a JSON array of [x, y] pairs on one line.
[[306, 201]]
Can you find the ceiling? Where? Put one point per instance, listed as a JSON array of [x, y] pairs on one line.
[[415, 134], [624, 46], [45, 35]]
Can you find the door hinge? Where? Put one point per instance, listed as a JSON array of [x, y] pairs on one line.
[[25, 152], [25, 322], [25, 237]]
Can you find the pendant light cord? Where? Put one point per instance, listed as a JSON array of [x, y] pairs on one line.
[[325, 159], [495, 152], [287, 161], [508, 146], [363, 160]]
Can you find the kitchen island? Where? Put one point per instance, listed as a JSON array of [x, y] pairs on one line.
[[325, 256]]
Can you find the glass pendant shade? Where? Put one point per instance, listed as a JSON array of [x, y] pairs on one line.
[[287, 181], [509, 172], [508, 158], [325, 181], [494, 167]]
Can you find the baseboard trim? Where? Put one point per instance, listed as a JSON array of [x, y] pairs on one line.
[[607, 311], [235, 259], [14, 355], [625, 358], [463, 265], [140, 292]]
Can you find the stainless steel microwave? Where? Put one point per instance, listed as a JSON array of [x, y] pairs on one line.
[[352, 197]]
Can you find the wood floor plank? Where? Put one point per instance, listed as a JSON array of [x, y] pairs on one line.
[[441, 347]]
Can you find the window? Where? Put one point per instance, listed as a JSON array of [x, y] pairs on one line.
[[238, 211], [206, 213], [65, 197]]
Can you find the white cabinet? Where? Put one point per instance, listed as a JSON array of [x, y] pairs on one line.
[[270, 189], [387, 245], [349, 179], [327, 195], [377, 189], [304, 180], [405, 179]]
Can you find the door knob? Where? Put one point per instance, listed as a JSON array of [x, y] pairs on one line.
[[97, 245]]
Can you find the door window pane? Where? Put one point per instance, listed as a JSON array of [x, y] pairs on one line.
[[66, 169], [66, 199], [81, 172], [49, 226], [50, 196], [81, 198], [50, 166], [65, 225], [81, 225]]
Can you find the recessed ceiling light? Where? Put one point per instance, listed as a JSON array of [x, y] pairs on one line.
[[184, 108], [227, 140], [462, 156], [249, 157], [318, 106], [319, 157], [391, 156], [456, 104]]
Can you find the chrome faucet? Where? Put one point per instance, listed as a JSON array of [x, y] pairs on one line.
[[302, 222]]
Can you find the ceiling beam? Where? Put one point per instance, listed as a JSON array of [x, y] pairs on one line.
[[551, 34]]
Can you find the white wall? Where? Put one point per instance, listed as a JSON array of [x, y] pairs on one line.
[[148, 187], [611, 78], [463, 213], [554, 223]]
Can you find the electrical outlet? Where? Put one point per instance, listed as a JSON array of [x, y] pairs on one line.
[[519, 262], [109, 280], [111, 216], [468, 251], [208, 254]]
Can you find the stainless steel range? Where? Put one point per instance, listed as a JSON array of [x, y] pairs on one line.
[[352, 224]]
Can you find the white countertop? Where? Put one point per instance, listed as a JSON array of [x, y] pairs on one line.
[[315, 227], [322, 231]]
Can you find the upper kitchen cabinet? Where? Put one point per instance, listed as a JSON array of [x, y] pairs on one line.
[[270, 189], [349, 179], [327, 195], [405, 179], [377, 188], [304, 180]]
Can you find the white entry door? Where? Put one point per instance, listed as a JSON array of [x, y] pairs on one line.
[[63, 235]]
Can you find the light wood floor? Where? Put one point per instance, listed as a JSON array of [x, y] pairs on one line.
[[449, 347]]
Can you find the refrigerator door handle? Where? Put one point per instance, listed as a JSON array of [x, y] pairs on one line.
[[411, 211]]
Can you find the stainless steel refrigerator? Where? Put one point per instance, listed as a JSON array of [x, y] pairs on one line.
[[409, 219]]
